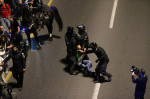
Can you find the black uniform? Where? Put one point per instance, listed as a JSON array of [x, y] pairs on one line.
[[37, 5], [14, 27], [140, 86], [70, 39], [18, 66], [83, 39], [71, 43], [103, 61], [37, 9]]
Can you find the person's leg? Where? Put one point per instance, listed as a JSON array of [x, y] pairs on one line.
[[103, 70], [7, 22], [20, 79], [2, 23], [136, 95], [29, 39], [73, 64], [15, 75], [97, 71], [50, 29], [88, 65], [36, 38]]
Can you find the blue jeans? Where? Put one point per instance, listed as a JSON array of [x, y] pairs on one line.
[[5, 22], [85, 63]]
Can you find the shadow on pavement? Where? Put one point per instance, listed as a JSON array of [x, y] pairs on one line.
[[13, 85]]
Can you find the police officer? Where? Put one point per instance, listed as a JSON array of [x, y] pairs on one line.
[[83, 39], [141, 82], [37, 8], [102, 61], [18, 67], [68, 39], [71, 43]]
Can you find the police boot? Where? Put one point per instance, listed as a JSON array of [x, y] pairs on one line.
[[39, 46], [109, 78], [50, 39]]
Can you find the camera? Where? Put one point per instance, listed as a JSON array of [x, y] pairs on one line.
[[135, 70]]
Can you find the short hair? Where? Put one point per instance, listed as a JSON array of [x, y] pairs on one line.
[[143, 71]]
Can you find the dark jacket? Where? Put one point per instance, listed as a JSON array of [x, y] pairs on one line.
[[37, 5], [18, 60], [140, 83], [71, 42], [100, 53], [83, 39]]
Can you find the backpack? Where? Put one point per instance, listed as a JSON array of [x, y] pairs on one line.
[[5, 6]]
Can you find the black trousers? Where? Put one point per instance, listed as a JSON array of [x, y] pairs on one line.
[[139, 95], [73, 63], [18, 75], [101, 69]]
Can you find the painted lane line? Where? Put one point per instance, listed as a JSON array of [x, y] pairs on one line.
[[50, 2], [96, 91], [8, 76], [113, 13]]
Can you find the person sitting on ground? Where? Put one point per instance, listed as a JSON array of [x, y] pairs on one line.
[[86, 64]]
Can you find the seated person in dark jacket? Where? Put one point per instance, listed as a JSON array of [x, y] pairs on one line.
[[140, 84]]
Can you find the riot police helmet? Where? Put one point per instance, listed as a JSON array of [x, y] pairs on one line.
[[70, 28], [93, 45], [81, 28]]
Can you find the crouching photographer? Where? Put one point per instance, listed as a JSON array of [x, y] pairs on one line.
[[140, 81]]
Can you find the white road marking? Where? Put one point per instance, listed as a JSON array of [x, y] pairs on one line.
[[96, 91], [113, 13]]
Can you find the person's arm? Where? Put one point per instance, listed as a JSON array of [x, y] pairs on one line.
[[5, 60], [81, 51], [88, 52], [133, 79], [23, 62]]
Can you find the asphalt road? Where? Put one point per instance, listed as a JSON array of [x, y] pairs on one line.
[[126, 44]]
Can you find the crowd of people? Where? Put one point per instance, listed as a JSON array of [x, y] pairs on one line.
[[11, 40]]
